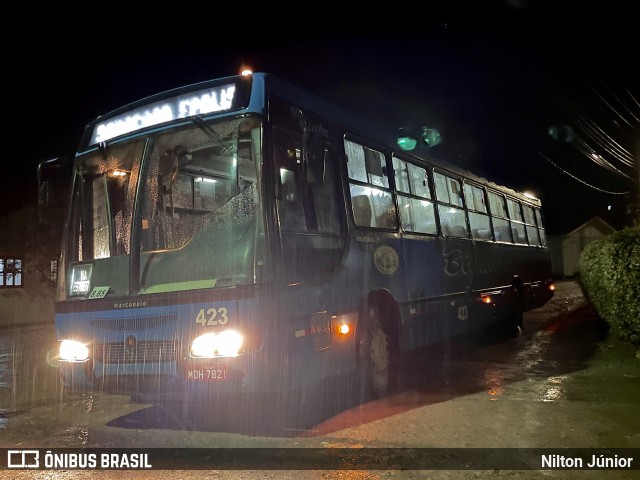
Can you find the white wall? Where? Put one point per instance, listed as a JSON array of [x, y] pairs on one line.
[[574, 244]]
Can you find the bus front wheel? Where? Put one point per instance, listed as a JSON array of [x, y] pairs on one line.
[[375, 357]]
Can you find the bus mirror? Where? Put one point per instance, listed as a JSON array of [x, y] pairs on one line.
[[44, 201], [315, 159], [52, 187]]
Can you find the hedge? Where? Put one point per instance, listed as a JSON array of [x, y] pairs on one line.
[[610, 277]]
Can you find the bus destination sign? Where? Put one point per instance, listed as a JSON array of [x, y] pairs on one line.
[[208, 100]]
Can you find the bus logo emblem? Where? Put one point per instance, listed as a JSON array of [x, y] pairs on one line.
[[130, 344], [386, 259]]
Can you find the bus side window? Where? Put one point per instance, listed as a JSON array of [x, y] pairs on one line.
[[417, 212], [371, 199], [517, 222], [452, 218], [478, 216], [501, 228], [532, 231], [543, 237]]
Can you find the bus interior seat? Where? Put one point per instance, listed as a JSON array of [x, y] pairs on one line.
[[362, 214], [482, 233], [519, 236], [502, 234], [386, 219], [458, 231]]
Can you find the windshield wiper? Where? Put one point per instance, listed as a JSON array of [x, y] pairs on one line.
[[202, 125]]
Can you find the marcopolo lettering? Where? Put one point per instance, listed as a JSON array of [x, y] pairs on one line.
[[130, 304]]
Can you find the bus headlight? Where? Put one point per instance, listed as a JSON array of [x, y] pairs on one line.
[[223, 344], [73, 351]]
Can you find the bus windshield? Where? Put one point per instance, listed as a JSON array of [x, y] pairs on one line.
[[198, 199]]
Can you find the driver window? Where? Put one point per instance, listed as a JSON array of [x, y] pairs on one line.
[[307, 203], [287, 152]]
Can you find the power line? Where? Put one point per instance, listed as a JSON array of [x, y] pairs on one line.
[[631, 95], [597, 134], [585, 149], [604, 100], [578, 179]]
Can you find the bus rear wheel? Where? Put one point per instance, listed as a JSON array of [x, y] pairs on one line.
[[515, 323]]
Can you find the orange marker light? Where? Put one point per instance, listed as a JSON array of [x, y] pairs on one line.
[[486, 299], [552, 286], [344, 329]]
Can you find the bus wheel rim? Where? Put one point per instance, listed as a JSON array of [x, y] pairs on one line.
[[379, 357]]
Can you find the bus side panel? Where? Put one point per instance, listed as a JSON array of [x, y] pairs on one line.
[[373, 263], [439, 281], [446, 278], [498, 264]]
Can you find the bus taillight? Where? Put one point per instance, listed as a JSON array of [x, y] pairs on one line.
[[489, 298]]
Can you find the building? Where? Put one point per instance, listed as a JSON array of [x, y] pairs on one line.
[[566, 249], [28, 266]]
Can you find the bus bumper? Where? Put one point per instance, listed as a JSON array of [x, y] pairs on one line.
[[248, 373]]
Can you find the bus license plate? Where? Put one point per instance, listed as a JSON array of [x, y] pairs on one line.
[[207, 374]]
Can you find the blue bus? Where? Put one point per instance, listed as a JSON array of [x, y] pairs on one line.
[[243, 235]]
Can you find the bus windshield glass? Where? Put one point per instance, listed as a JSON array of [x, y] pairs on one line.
[[198, 199]]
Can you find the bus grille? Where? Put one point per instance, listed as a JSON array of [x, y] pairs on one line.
[[143, 352], [130, 324]]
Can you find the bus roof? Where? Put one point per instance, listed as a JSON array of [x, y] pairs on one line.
[[231, 96], [370, 130]]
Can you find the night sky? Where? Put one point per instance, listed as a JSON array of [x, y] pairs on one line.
[[492, 80]]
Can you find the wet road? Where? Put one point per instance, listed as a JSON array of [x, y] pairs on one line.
[[564, 383]]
